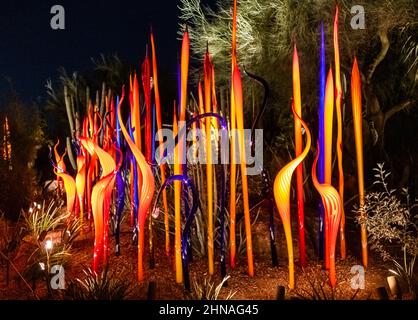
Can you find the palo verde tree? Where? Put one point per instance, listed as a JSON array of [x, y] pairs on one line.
[[387, 50]]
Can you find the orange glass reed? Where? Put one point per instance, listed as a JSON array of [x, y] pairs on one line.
[[238, 99], [177, 205], [207, 66], [160, 138], [233, 166], [328, 121], [179, 154], [136, 127], [339, 146], [358, 133], [298, 149]]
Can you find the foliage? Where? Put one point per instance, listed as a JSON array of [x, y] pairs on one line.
[[40, 219], [319, 287], [10, 235], [70, 95], [406, 271], [391, 226], [267, 31], [42, 259], [410, 51], [41, 222], [206, 289], [10, 238], [18, 178], [389, 221], [98, 286]]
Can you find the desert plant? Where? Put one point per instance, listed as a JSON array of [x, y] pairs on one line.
[[318, 286], [98, 286], [40, 221], [406, 272], [391, 227], [42, 218], [42, 259], [267, 31], [70, 231], [206, 289]]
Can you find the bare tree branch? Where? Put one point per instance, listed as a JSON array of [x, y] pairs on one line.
[[384, 40], [399, 107], [394, 110]]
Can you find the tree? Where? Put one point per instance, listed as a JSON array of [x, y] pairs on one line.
[[67, 104], [17, 173], [268, 29]]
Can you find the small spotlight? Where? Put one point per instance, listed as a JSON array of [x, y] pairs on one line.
[[394, 287], [48, 244]]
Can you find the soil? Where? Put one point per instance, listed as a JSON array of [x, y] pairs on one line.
[[263, 286]]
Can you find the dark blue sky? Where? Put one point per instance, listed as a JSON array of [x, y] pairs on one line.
[[31, 52]]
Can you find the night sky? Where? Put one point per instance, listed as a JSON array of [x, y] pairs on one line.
[[31, 52]]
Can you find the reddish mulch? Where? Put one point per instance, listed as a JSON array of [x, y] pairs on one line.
[[263, 285]]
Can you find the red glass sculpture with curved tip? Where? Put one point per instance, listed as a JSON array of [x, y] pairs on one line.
[[147, 188], [100, 199], [61, 164], [69, 184], [80, 181]]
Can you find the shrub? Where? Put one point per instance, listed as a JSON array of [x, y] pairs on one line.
[[98, 286], [206, 289], [391, 226]]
